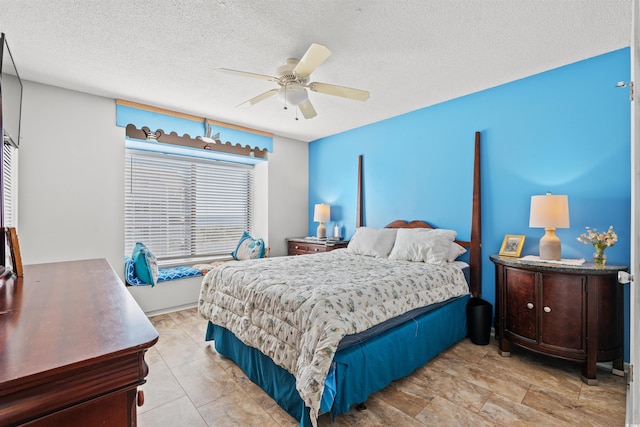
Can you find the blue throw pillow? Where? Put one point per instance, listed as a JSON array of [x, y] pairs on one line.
[[248, 248], [145, 264], [129, 273]]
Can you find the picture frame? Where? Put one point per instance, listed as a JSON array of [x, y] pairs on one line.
[[14, 250], [512, 245]]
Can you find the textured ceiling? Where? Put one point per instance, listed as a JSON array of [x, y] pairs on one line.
[[408, 54]]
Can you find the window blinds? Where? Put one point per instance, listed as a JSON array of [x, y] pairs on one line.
[[185, 209], [10, 172]]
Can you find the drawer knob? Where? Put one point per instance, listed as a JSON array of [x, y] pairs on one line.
[[297, 246], [529, 306], [547, 309], [316, 249]]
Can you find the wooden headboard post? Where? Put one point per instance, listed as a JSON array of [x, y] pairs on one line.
[[359, 211], [475, 250]]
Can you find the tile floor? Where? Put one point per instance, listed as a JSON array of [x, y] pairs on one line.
[[189, 384]]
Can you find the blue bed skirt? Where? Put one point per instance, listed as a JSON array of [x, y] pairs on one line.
[[385, 355]]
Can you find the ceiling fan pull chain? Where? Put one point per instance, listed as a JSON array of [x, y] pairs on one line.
[[285, 96]]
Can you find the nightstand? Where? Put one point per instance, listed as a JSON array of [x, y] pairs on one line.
[[302, 246], [571, 312]]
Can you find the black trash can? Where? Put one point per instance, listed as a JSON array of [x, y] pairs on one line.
[[479, 314]]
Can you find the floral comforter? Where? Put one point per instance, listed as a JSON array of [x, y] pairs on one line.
[[297, 309]]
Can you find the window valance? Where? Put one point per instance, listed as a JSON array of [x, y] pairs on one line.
[[146, 123]]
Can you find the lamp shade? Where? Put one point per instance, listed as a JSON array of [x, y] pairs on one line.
[[549, 211], [321, 213]]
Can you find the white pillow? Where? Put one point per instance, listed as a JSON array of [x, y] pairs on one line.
[[423, 245], [449, 234], [455, 250], [376, 242]]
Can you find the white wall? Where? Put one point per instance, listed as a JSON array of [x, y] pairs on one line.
[[260, 219], [71, 203], [288, 192], [71, 175]]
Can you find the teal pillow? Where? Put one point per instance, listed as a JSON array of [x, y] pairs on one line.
[[248, 248], [145, 264]]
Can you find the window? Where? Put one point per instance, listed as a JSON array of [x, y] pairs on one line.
[[10, 171], [185, 209]]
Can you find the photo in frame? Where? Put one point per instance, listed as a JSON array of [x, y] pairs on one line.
[[512, 245]]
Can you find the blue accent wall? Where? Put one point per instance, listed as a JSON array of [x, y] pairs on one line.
[[564, 131]]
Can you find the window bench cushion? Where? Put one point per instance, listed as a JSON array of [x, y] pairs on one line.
[[164, 274], [206, 267]]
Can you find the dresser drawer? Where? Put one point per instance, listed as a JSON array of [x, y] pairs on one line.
[[297, 248], [301, 247]]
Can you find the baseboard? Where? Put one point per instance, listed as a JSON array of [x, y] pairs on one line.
[[167, 297], [609, 366], [170, 310]]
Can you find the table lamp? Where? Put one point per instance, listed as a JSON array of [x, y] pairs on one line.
[[549, 212], [321, 214]]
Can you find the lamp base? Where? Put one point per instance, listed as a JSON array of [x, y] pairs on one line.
[[321, 232], [550, 247]]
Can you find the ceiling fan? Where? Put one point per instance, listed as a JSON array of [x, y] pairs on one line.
[[293, 79]]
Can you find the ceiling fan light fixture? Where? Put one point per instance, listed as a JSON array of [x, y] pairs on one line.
[[293, 78], [293, 94]]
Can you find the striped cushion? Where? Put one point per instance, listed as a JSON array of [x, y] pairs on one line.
[[164, 274], [174, 273]]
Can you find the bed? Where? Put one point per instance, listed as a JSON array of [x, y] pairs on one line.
[[322, 332]]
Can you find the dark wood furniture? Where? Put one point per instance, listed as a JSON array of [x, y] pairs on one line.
[[571, 312], [302, 246], [72, 344]]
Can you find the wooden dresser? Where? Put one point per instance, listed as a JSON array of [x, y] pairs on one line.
[[302, 246], [72, 344], [572, 312]]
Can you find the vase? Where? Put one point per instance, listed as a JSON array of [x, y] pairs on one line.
[[599, 258]]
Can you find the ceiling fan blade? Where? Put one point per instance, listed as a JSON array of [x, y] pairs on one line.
[[247, 74], [315, 55], [260, 97], [345, 92], [307, 109]]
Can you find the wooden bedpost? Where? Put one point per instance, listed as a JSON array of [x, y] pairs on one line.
[[475, 255], [359, 210]]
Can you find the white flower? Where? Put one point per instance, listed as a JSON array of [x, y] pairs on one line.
[[599, 240]]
